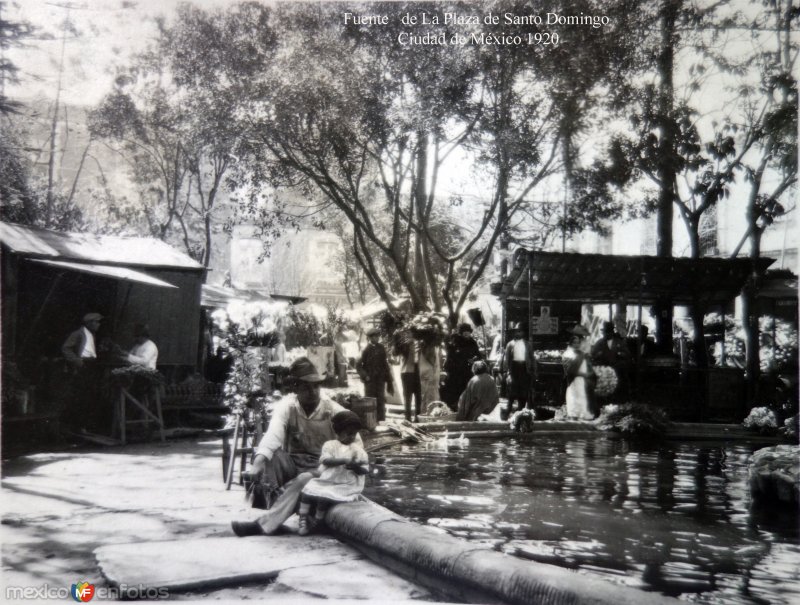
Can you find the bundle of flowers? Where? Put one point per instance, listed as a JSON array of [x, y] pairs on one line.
[[777, 343], [293, 354], [346, 400], [243, 380], [606, 380], [634, 420], [438, 409], [428, 328], [128, 374], [553, 355], [790, 427], [762, 420]]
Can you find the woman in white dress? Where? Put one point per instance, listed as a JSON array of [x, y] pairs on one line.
[[579, 375], [343, 463]]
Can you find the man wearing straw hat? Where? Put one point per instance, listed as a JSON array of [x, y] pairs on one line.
[[288, 455]]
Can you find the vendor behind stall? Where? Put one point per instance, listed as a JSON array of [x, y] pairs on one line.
[[84, 410], [144, 352]]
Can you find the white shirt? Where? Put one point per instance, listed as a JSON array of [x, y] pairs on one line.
[[276, 438], [278, 353], [519, 350], [88, 351], [411, 360], [145, 354]]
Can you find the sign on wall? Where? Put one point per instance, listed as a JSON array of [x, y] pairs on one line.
[[545, 323]]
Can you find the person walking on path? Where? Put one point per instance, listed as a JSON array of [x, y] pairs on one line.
[[343, 464], [374, 371], [288, 455], [521, 367]]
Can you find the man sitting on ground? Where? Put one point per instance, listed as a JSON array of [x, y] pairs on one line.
[[288, 455]]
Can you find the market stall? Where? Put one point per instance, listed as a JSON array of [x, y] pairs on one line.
[[51, 279], [549, 291]]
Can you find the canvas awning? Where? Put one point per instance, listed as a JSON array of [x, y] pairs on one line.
[[598, 278], [106, 250], [120, 273], [221, 296]]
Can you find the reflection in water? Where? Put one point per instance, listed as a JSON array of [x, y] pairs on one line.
[[673, 517]]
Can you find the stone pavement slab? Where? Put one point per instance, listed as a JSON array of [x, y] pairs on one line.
[[350, 579], [210, 562]]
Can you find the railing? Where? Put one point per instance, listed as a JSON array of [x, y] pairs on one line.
[[193, 396]]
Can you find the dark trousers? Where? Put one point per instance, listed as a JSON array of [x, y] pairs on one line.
[[411, 388], [520, 384], [87, 406], [377, 390], [281, 469]]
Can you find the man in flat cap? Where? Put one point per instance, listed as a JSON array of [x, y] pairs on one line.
[[85, 411], [288, 455], [374, 371], [80, 346]]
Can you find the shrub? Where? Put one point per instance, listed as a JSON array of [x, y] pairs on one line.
[[790, 427], [761, 420], [634, 420]]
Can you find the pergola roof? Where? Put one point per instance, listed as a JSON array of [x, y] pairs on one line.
[[598, 278]]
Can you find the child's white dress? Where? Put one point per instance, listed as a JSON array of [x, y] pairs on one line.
[[337, 482]]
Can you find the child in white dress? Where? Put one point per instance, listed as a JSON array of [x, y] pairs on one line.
[[343, 463]]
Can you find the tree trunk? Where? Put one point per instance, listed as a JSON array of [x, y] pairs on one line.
[[698, 310], [420, 196], [750, 315], [666, 170]]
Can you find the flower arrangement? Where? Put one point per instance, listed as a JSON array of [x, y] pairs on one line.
[[790, 428], [552, 355], [346, 400], [634, 420], [607, 380], [774, 354], [244, 329], [428, 328], [762, 420], [127, 374], [438, 409]]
